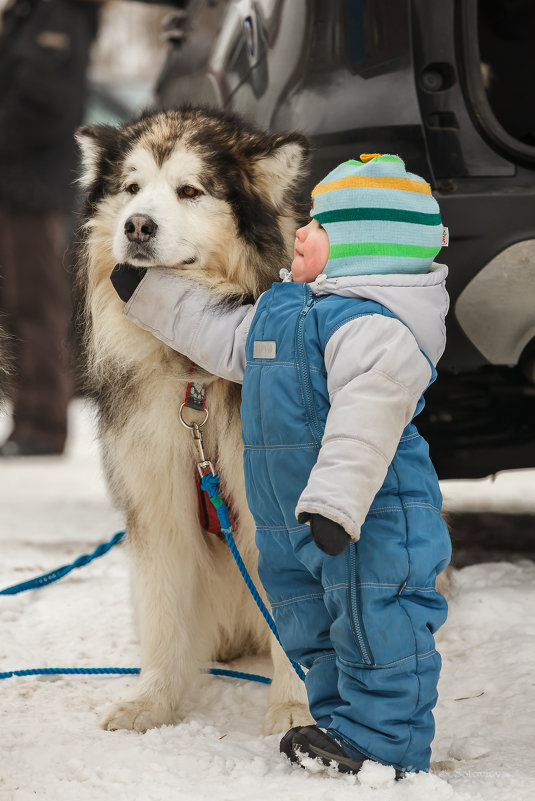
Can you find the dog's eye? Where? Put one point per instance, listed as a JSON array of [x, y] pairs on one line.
[[132, 189], [189, 192]]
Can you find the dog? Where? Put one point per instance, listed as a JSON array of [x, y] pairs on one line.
[[5, 368], [204, 193]]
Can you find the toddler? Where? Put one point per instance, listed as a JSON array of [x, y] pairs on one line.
[[334, 364]]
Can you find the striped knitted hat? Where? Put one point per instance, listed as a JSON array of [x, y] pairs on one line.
[[379, 218]]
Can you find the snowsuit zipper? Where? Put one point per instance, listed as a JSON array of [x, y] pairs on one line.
[[356, 615], [304, 369]]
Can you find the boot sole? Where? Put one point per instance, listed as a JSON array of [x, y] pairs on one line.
[[339, 763]]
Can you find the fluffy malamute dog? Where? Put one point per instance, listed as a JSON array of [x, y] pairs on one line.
[[216, 198], [4, 367]]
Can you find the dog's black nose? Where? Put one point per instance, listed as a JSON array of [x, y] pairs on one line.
[[140, 228]]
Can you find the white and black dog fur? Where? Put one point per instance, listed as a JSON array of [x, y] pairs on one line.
[[210, 195]]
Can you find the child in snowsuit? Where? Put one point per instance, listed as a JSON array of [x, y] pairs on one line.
[[346, 502]]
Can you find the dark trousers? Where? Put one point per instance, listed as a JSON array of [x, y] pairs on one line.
[[34, 302]]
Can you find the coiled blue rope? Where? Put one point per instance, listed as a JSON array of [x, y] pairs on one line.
[[210, 483]]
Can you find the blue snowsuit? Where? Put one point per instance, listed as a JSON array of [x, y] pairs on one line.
[[361, 623]]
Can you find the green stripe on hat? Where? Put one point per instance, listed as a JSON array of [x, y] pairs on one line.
[[357, 163], [392, 215], [382, 249], [391, 158]]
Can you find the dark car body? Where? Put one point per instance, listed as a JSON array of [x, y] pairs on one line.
[[449, 87]]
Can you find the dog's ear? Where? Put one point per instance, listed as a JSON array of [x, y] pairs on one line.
[[96, 142], [280, 166]]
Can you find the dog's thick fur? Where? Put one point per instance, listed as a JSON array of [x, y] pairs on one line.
[[233, 236], [5, 365]]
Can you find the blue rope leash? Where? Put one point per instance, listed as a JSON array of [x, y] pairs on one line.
[[210, 483], [55, 575], [67, 672], [60, 572], [234, 674]]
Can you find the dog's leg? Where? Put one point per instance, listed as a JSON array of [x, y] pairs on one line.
[[287, 704], [166, 586], [444, 579]]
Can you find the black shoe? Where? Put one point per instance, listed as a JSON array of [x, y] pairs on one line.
[[28, 447], [285, 745], [312, 742]]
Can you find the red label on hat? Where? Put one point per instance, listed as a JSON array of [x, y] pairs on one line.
[[445, 237]]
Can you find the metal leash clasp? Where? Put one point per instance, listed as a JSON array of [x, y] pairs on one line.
[[196, 432]]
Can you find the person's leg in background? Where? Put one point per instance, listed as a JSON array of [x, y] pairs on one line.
[[34, 300]]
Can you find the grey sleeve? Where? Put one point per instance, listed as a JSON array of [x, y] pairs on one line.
[[376, 374], [186, 317]]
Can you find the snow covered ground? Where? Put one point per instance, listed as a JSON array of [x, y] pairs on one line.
[[52, 748]]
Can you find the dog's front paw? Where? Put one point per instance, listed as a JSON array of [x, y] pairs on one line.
[[139, 714], [281, 717]]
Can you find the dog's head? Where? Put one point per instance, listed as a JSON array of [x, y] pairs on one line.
[[195, 190]]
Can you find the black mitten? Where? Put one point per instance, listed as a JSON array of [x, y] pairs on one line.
[[329, 536], [125, 279]]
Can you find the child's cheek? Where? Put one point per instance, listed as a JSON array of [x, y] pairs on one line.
[[311, 270], [297, 269]]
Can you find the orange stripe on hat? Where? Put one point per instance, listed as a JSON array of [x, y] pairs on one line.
[[373, 182]]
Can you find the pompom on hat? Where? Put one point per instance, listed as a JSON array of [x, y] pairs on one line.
[[379, 218]]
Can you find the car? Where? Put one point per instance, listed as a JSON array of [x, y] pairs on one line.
[[448, 86], [114, 103]]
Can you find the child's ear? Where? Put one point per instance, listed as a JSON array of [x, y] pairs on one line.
[[281, 167]]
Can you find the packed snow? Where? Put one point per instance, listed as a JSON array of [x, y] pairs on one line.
[[52, 748]]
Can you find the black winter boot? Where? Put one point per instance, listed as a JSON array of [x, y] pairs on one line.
[[330, 748], [285, 745]]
